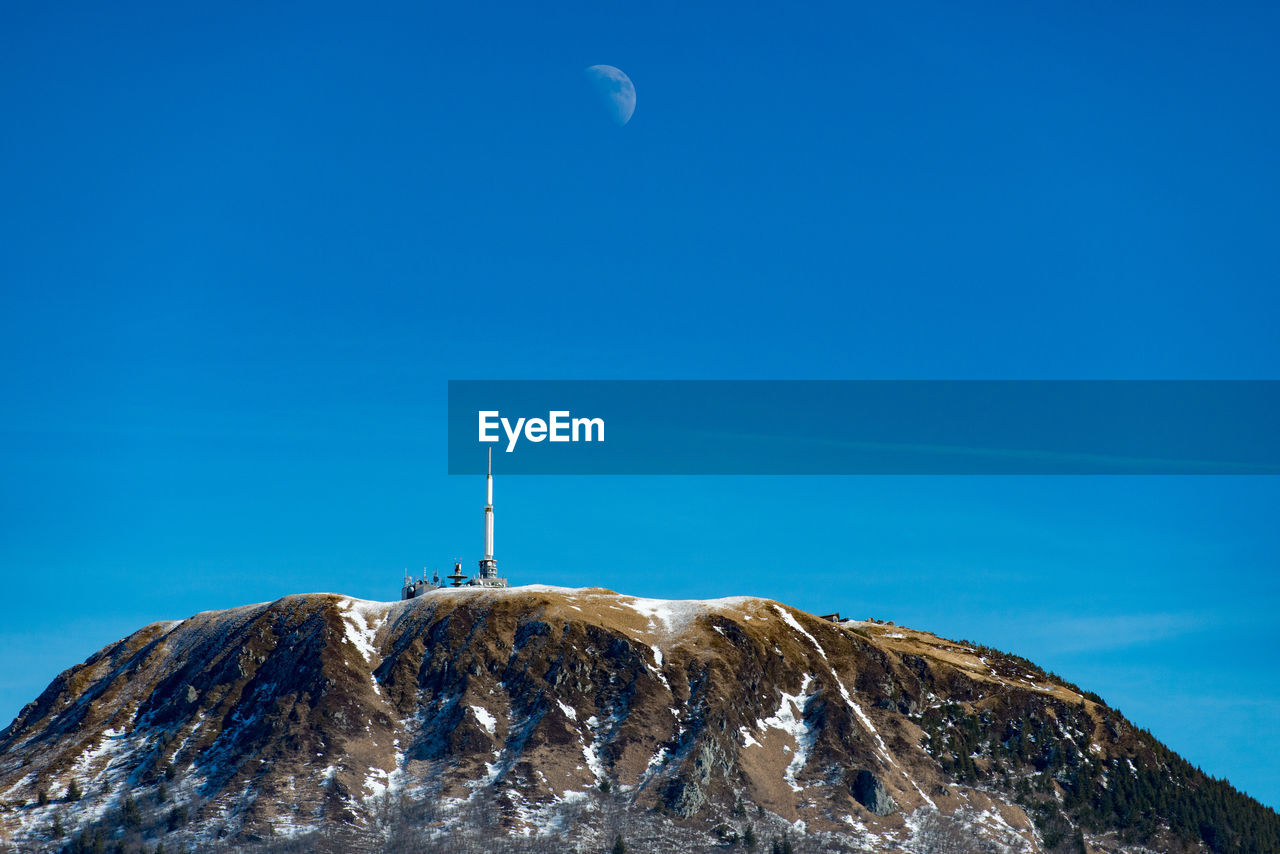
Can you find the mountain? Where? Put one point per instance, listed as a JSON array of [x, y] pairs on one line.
[[551, 719]]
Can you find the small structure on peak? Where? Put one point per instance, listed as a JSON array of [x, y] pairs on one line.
[[413, 589], [488, 574], [457, 579]]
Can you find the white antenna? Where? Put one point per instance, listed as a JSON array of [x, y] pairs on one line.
[[488, 566], [488, 511]]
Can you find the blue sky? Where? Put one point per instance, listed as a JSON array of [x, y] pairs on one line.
[[243, 250]]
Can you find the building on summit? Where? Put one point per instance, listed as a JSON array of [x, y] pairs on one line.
[[488, 574], [413, 589]]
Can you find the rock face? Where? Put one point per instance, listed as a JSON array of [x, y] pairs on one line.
[[316, 711], [872, 794]]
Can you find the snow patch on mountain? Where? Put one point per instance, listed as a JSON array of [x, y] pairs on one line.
[[486, 719], [359, 630], [790, 719], [793, 623], [677, 614]]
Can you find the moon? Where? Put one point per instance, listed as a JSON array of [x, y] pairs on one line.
[[615, 90]]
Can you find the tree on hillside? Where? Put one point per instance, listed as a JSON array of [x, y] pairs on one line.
[[177, 817], [130, 815]]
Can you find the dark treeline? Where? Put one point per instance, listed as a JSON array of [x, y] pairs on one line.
[[1153, 797]]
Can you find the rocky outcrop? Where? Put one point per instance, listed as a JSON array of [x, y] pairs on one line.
[[871, 793]]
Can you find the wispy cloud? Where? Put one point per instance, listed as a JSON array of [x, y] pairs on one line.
[[1113, 631]]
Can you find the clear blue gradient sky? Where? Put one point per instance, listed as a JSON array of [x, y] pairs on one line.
[[242, 249]]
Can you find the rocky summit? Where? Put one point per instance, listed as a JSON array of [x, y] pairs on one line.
[[551, 719]]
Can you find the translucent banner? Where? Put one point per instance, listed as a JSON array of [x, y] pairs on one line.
[[865, 427]]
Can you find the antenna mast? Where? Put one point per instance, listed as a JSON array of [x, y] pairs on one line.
[[488, 566]]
